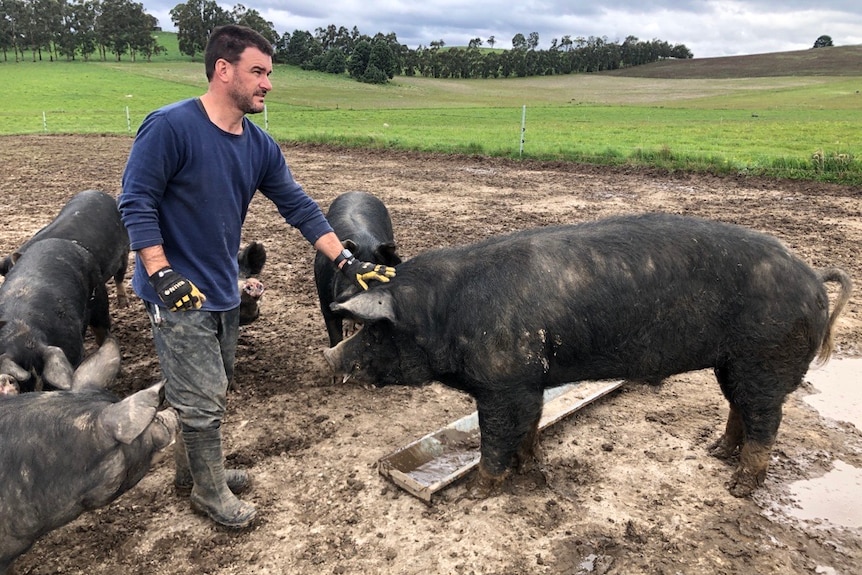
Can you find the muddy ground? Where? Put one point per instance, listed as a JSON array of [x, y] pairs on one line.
[[630, 487]]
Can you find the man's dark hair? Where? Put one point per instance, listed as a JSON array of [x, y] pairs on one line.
[[228, 43]]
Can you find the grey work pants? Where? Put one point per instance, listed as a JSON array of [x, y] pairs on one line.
[[196, 352]]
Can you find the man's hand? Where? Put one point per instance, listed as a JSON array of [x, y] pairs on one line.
[[175, 291], [361, 273]]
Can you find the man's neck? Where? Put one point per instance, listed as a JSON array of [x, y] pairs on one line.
[[225, 117]]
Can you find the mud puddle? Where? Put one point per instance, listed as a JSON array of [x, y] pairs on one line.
[[835, 497], [839, 386]]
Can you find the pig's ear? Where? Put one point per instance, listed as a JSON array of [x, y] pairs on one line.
[[127, 419], [57, 371], [350, 245], [388, 254], [254, 256], [9, 367], [99, 369], [368, 306]]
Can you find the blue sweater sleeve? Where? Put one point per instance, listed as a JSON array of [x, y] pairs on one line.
[[296, 207]]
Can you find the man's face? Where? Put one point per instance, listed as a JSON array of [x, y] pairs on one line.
[[251, 80]]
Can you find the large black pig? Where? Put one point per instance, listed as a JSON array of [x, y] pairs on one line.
[[362, 222], [638, 297], [48, 299], [90, 219], [63, 453]]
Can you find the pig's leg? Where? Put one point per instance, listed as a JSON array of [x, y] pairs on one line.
[[508, 423], [731, 440], [756, 397], [100, 318], [119, 283], [760, 425], [334, 328], [529, 455]]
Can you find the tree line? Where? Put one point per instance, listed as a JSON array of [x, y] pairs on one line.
[[69, 29], [378, 58], [54, 29]]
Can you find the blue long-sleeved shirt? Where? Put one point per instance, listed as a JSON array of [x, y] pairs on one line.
[[187, 185]]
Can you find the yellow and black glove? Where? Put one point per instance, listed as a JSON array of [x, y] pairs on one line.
[[360, 273], [175, 291]]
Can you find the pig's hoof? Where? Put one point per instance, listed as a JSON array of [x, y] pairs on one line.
[[530, 480], [743, 483], [483, 485], [722, 449]]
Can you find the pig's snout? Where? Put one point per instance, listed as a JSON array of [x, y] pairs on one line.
[[8, 386], [253, 287], [334, 356], [170, 426]]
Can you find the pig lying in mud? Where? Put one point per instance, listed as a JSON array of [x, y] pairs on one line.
[[63, 453], [635, 297]]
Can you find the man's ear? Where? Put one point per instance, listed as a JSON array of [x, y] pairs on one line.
[[221, 69]]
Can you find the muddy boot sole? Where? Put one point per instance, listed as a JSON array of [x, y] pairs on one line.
[[238, 481], [241, 517]]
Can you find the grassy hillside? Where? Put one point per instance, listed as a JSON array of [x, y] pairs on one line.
[[829, 61]]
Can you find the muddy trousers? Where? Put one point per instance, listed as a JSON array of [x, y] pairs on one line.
[[196, 352]]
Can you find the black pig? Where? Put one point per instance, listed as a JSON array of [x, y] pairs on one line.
[[362, 221], [637, 297], [90, 219], [63, 453], [48, 299], [251, 260]]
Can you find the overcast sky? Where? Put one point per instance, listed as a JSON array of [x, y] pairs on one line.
[[707, 27]]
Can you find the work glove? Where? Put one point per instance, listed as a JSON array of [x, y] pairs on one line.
[[360, 273], [175, 291]]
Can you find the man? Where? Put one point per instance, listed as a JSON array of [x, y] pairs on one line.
[[187, 185]]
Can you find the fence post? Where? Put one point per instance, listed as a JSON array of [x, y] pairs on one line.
[[44, 122], [523, 129], [128, 121]]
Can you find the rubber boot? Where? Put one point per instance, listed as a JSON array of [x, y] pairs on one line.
[[210, 494], [238, 480]]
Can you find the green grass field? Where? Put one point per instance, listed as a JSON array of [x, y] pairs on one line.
[[802, 126]]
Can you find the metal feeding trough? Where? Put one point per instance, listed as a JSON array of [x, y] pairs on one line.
[[430, 463]]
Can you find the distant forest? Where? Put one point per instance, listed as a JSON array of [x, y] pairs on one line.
[[88, 29]]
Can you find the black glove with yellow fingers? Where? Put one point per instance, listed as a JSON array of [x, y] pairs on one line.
[[175, 291], [360, 273]]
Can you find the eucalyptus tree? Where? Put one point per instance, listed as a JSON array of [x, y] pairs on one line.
[[298, 48], [252, 18], [11, 37], [194, 21], [123, 27], [823, 41], [47, 16], [83, 19]]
